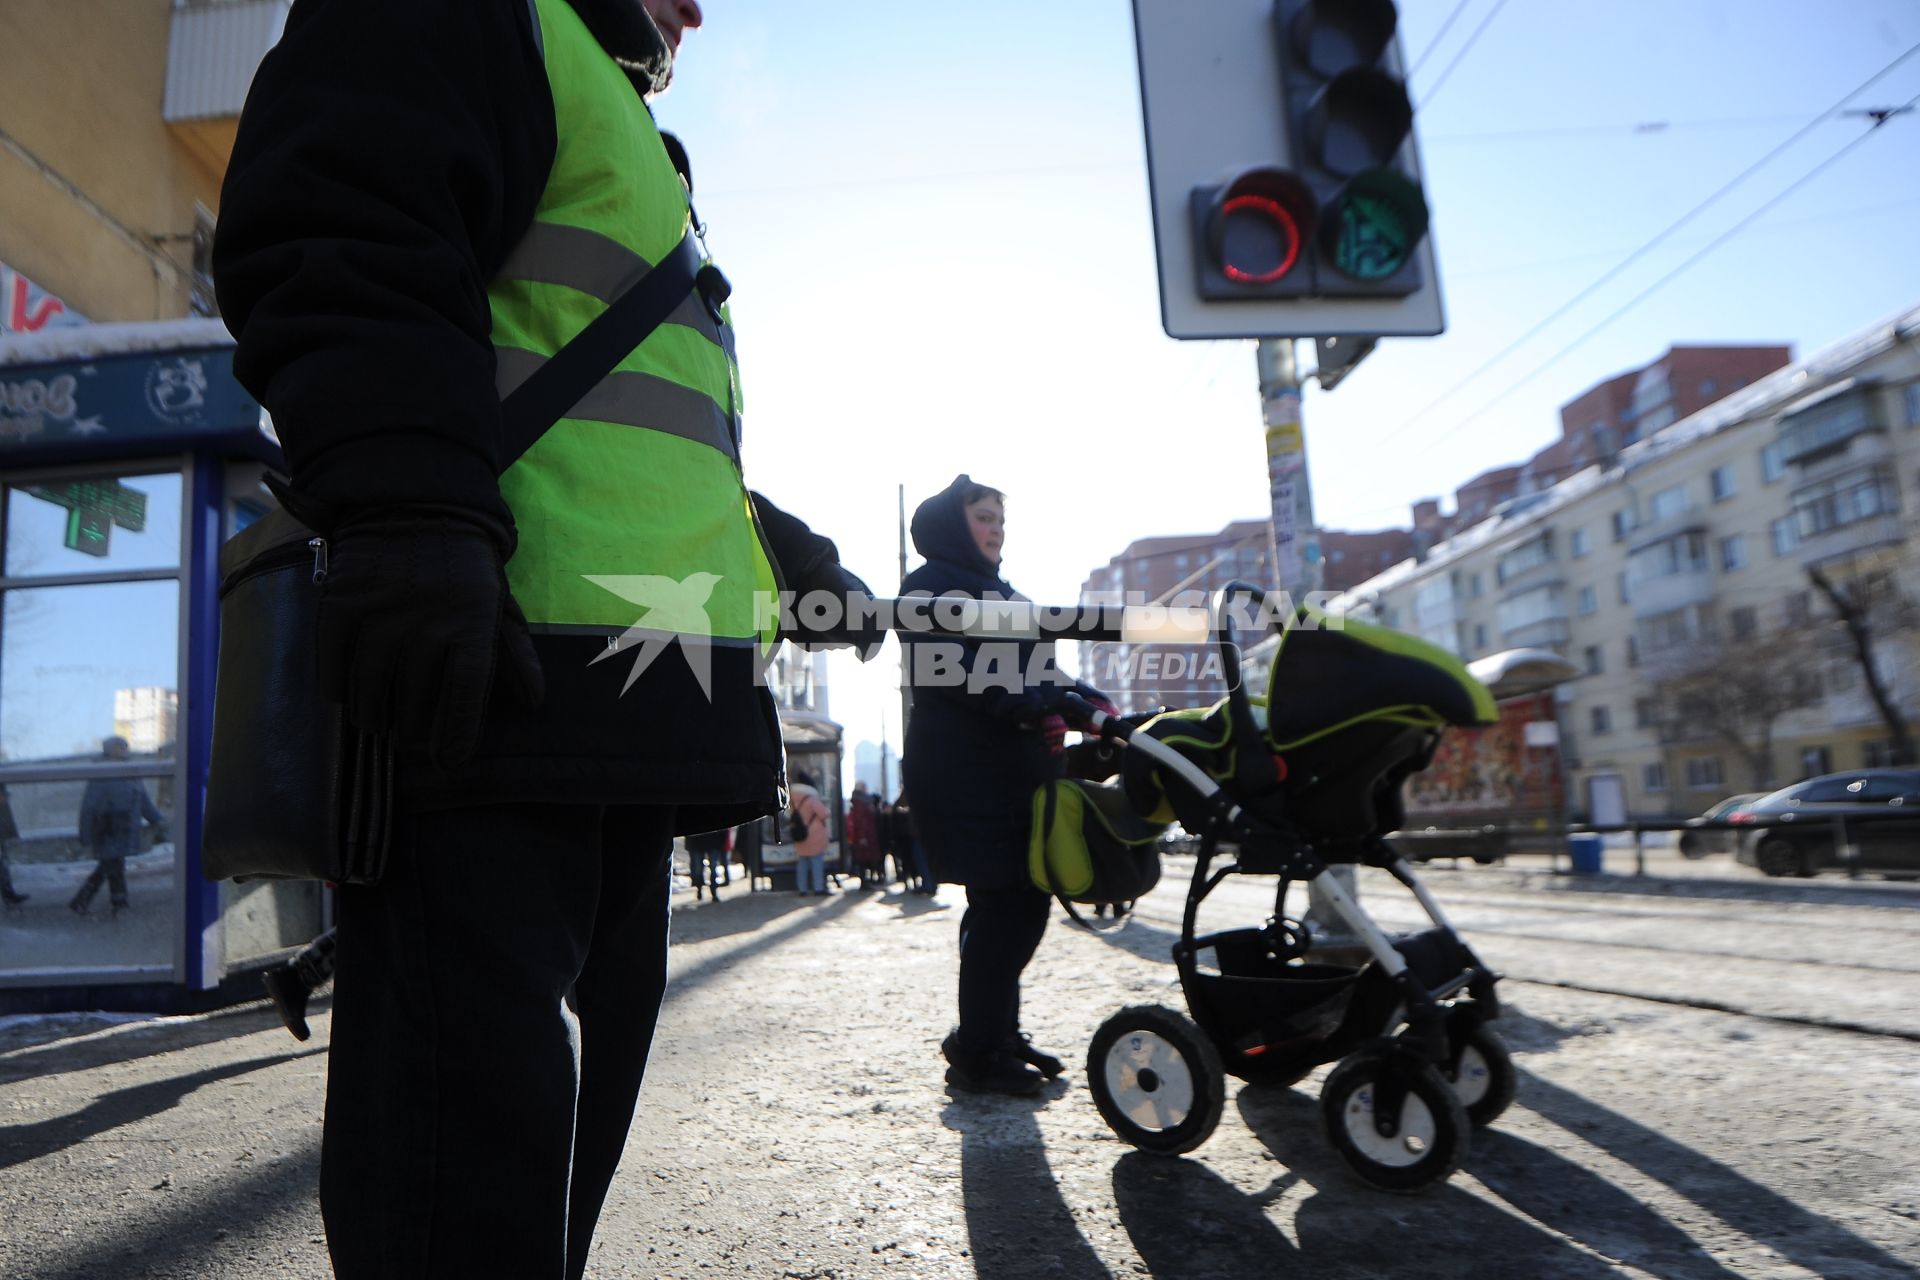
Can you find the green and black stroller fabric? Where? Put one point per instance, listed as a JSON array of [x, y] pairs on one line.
[[1351, 711], [1089, 846]]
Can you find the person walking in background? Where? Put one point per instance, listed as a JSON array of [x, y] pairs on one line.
[[428, 201], [111, 810], [292, 984], [863, 839], [908, 852], [812, 829], [707, 861], [976, 751], [9, 832]]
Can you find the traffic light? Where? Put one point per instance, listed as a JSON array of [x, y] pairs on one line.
[[1287, 193]]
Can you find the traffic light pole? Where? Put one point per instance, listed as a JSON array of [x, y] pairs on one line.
[[1295, 542], [1296, 555]]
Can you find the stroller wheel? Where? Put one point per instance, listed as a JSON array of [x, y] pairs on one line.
[[1157, 1079], [1484, 1081], [1394, 1120]]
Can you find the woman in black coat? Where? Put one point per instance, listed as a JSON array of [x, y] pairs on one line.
[[985, 733]]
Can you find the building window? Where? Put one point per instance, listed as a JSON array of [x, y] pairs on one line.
[[1913, 404], [1580, 543], [1686, 553], [1733, 553], [1707, 388], [1633, 652], [1799, 608], [1877, 754], [1773, 463], [1721, 483], [1473, 586], [1785, 540], [1479, 635], [1646, 713], [1704, 773], [1741, 622], [1815, 761], [1541, 604], [1600, 721], [1626, 595], [1596, 662], [1667, 504], [1589, 602], [1622, 524], [1653, 778]]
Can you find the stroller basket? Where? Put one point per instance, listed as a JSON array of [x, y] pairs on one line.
[[1252, 998]]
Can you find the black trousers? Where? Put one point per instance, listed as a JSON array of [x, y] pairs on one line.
[[494, 1000], [114, 872], [998, 936]]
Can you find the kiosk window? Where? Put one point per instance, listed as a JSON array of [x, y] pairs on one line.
[[82, 663], [98, 523]]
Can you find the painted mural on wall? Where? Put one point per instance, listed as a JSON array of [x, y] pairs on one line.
[[1485, 773]]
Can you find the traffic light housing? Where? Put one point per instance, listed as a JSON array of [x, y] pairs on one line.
[[1288, 199]]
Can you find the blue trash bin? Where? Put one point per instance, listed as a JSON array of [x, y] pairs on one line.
[[1584, 851]]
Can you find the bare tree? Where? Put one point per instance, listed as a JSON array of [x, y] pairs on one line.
[[1863, 605], [1734, 693]]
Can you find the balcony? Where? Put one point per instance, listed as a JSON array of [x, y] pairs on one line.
[[1850, 540], [1671, 591], [212, 53], [1827, 423]]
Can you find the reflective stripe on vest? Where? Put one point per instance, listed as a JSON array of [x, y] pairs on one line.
[[631, 510]]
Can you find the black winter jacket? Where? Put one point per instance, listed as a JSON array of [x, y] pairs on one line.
[[974, 752], [390, 155]]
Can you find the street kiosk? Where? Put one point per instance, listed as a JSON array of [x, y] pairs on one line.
[[128, 455]]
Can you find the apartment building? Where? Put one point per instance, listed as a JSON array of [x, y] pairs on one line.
[[1677, 573]]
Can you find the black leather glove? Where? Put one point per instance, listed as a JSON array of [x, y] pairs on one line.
[[415, 619], [810, 563]]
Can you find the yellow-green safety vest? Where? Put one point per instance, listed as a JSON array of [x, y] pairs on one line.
[[642, 481]]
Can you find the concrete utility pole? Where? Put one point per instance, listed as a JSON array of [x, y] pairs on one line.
[[1296, 556], [906, 683], [1296, 543]]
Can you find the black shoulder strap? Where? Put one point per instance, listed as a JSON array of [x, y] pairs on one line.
[[559, 384]]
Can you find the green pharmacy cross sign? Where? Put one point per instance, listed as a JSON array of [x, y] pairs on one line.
[[93, 508]]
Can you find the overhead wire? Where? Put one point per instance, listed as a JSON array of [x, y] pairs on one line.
[[1660, 238], [1465, 49], [1438, 36], [1657, 285]]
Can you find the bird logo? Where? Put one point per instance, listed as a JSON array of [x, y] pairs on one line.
[[671, 609]]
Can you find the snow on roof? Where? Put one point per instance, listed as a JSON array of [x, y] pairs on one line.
[[1785, 386], [96, 341]]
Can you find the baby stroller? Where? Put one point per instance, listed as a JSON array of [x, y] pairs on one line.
[[1288, 787]]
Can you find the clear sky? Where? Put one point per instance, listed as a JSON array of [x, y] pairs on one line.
[[936, 221]]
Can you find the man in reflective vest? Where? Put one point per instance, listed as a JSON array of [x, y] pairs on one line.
[[426, 200]]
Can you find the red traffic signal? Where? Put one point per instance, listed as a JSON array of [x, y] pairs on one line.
[[1258, 225]]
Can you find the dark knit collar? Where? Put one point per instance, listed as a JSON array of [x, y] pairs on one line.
[[628, 33]]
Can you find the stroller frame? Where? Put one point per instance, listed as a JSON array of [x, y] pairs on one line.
[[1419, 1067]]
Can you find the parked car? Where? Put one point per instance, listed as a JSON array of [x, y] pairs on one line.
[[1793, 828], [1698, 843]]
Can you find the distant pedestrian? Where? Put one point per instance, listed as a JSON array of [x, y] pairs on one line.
[[292, 984], [110, 813], [863, 839], [812, 828], [9, 832], [908, 852], [707, 861]]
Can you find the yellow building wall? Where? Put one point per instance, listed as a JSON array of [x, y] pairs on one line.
[[97, 194]]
